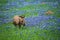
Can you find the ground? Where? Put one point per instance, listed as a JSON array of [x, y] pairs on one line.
[[39, 25]]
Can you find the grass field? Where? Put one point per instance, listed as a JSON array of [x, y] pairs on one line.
[[10, 32], [39, 25], [38, 32]]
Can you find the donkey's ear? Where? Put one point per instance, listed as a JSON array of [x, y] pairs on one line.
[[22, 16]]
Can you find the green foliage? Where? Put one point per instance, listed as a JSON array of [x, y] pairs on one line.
[[56, 12], [34, 7], [3, 2], [30, 0], [27, 33]]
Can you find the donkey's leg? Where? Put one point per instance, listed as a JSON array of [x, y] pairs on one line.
[[24, 24], [14, 24]]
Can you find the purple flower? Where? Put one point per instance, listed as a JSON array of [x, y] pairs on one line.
[[7, 27], [58, 28]]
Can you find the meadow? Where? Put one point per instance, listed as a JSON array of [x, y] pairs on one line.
[[39, 25]]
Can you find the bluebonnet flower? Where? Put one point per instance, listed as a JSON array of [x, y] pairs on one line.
[[22, 1], [58, 28], [58, 20], [16, 32], [25, 3], [7, 27], [7, 7]]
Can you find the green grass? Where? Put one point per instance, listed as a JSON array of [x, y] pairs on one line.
[[10, 32], [27, 33]]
